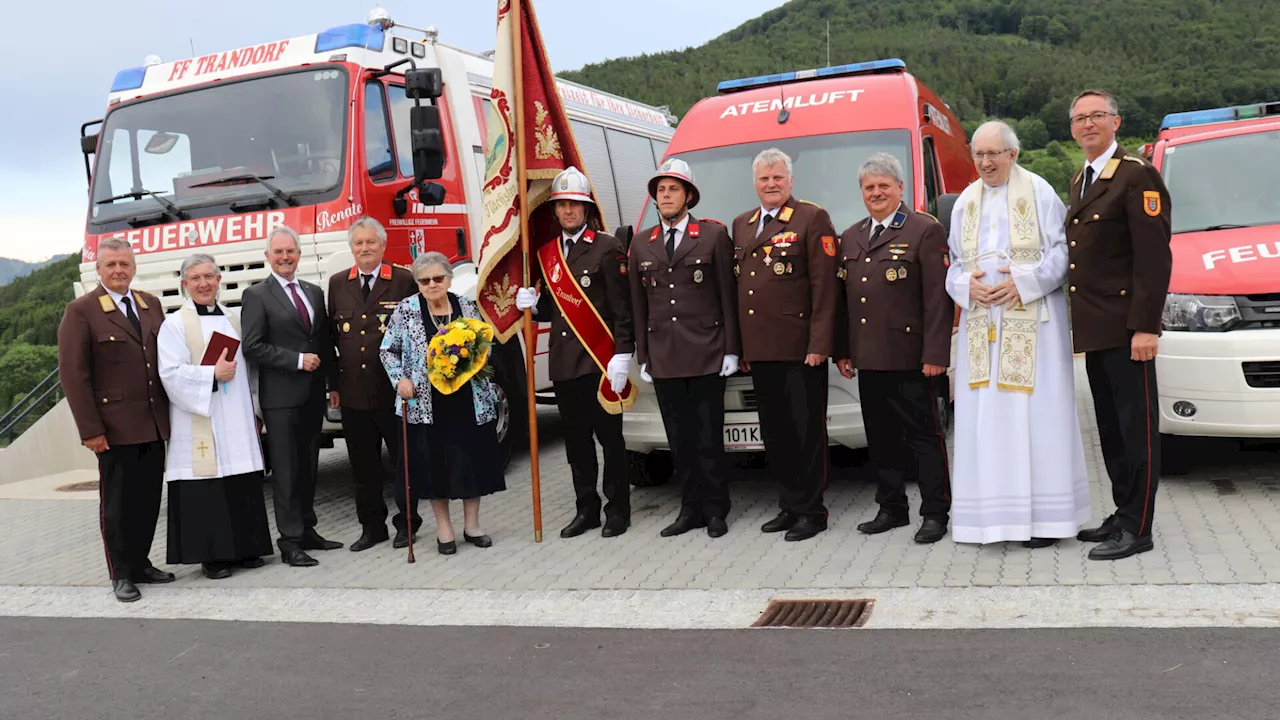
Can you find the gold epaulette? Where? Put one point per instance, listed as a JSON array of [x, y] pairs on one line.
[[1135, 158], [921, 212], [806, 202]]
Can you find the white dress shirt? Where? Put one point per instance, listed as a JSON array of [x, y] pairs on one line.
[[117, 297], [1100, 162], [764, 211], [571, 239], [681, 228]]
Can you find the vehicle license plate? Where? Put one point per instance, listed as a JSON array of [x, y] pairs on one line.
[[743, 437]]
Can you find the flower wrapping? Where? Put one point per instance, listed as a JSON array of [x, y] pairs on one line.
[[458, 352]]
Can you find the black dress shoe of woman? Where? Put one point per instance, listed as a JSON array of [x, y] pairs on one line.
[[447, 548], [482, 541]]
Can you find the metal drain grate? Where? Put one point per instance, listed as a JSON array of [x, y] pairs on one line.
[[87, 486], [815, 614]]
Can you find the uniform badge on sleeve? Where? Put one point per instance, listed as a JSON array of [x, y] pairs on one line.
[[1151, 202], [829, 245]]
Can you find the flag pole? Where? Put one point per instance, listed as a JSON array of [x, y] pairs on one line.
[[530, 336]]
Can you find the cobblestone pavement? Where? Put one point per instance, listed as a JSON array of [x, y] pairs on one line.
[[1219, 525]]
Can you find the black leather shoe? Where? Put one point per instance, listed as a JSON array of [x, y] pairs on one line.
[[1121, 544], [884, 522], [368, 540], [252, 563], [298, 558], [1100, 533], [125, 591], [683, 524], [315, 542], [402, 539], [785, 520], [216, 570], [480, 541], [447, 548], [151, 575], [1036, 542], [614, 528], [579, 525], [931, 531], [806, 527], [716, 527]]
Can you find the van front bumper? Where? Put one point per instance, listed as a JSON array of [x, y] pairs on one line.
[[1214, 384]]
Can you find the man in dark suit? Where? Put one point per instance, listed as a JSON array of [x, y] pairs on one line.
[[361, 301], [1118, 234], [898, 326], [108, 368], [595, 262], [788, 298], [684, 272], [286, 335]]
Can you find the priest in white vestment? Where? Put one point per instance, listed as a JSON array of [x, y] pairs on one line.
[[1019, 470], [213, 468]]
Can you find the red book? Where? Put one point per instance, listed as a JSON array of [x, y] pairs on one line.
[[218, 345]]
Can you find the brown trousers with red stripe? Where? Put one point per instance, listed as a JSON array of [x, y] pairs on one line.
[[1127, 407]]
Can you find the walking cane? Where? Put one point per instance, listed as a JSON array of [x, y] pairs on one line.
[[404, 452]]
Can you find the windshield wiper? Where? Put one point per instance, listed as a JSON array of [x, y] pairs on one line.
[[1219, 227], [281, 195], [168, 204]]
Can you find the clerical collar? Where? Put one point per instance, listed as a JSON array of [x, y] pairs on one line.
[[207, 310], [575, 237]]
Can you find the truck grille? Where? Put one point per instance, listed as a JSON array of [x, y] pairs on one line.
[[1258, 311], [1262, 374], [749, 400]]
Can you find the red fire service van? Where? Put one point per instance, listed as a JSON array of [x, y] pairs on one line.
[[1219, 363], [210, 153], [829, 121]]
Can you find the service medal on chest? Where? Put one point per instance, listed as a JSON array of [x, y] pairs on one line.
[[586, 281], [346, 327], [891, 274], [697, 275], [779, 268]]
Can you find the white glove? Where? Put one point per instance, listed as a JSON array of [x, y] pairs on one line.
[[526, 298], [729, 366], [644, 373], [617, 370]]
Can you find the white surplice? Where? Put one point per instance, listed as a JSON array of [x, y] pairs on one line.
[[1019, 469], [190, 390]]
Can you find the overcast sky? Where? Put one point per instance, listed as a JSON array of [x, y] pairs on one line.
[[64, 55]]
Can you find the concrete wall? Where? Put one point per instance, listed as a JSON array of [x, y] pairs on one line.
[[50, 446]]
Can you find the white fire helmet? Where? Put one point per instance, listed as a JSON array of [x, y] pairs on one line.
[[680, 170], [571, 184]]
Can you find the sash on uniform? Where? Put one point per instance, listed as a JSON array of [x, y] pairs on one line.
[[204, 458], [1016, 369], [586, 323]]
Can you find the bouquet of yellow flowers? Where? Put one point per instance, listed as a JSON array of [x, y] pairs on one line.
[[458, 352]]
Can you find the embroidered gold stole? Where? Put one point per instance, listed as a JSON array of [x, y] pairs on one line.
[[204, 459]]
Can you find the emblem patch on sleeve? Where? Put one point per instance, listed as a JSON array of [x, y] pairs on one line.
[[829, 245], [1151, 202]]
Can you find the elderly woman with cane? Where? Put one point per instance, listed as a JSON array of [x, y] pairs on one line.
[[452, 450]]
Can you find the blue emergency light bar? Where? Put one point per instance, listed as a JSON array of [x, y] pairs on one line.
[[1218, 115], [345, 36], [862, 68], [130, 79]]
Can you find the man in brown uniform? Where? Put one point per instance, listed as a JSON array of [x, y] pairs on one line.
[[682, 269], [361, 301], [109, 372], [788, 298], [596, 263], [894, 265], [1118, 233]]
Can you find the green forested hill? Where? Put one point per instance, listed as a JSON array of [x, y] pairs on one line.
[[30, 309], [1016, 59]]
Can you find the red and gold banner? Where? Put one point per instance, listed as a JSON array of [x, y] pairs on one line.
[[546, 145]]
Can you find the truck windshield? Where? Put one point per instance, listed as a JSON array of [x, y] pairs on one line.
[[205, 146], [1225, 182], [825, 169]]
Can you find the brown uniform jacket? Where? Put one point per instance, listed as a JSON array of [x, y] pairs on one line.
[[898, 313], [111, 375], [1118, 239], [357, 325], [599, 257], [686, 307], [788, 297]]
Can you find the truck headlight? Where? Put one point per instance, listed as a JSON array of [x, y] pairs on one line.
[[1200, 313]]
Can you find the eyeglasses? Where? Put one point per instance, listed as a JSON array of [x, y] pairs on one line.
[[433, 280], [984, 155], [1096, 118]]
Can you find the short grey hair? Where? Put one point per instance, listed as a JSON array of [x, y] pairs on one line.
[[428, 259], [881, 164], [284, 230], [770, 157], [1112, 105], [192, 261], [369, 223], [114, 243], [1006, 133]]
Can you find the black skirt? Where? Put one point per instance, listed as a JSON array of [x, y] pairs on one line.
[[454, 458], [217, 520]]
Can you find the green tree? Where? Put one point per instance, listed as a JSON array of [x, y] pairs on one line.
[[21, 368]]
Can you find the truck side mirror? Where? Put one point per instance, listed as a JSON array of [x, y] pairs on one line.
[[424, 84], [427, 141], [625, 234], [89, 144]]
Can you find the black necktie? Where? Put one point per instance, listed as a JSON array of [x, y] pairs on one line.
[[875, 234], [768, 218], [568, 245], [1088, 179], [366, 283], [133, 319], [671, 243]]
